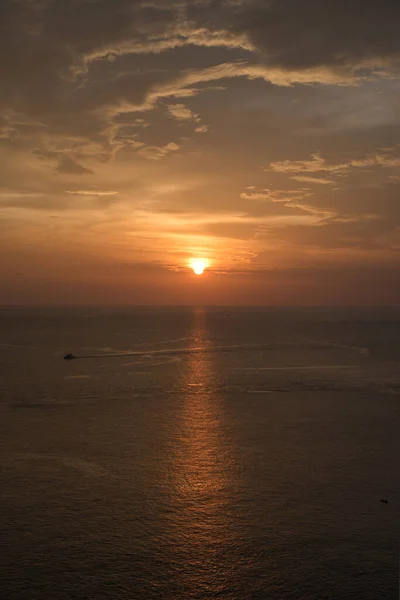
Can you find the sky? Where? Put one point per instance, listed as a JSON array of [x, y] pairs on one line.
[[261, 135]]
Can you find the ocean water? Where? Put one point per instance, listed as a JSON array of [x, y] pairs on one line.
[[205, 453]]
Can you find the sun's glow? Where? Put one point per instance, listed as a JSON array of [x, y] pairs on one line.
[[198, 265]]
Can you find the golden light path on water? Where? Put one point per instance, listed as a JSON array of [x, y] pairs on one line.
[[205, 480]]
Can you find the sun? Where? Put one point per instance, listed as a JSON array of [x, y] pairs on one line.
[[198, 265]]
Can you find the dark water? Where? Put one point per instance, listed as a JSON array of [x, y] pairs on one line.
[[234, 454]]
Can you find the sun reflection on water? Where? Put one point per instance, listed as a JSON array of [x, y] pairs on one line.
[[205, 481]]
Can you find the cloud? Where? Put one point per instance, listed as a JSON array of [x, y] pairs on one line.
[[337, 35], [269, 195], [70, 166], [285, 37], [19, 194], [180, 112], [317, 164], [364, 202], [182, 85], [89, 81], [180, 35], [315, 180], [367, 234], [364, 219], [202, 129], [287, 45], [16, 198], [156, 153], [92, 192]]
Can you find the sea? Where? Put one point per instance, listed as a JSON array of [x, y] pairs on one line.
[[205, 453]]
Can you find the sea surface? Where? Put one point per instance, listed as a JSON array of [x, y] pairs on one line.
[[199, 453]]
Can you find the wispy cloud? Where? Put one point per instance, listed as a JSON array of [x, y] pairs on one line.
[[317, 164], [180, 112], [92, 192], [157, 153], [314, 180], [202, 129]]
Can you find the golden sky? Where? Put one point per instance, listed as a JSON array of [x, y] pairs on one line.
[[260, 135]]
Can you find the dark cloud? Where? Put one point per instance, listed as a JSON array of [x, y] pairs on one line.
[[304, 34], [75, 65], [45, 47], [68, 165]]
